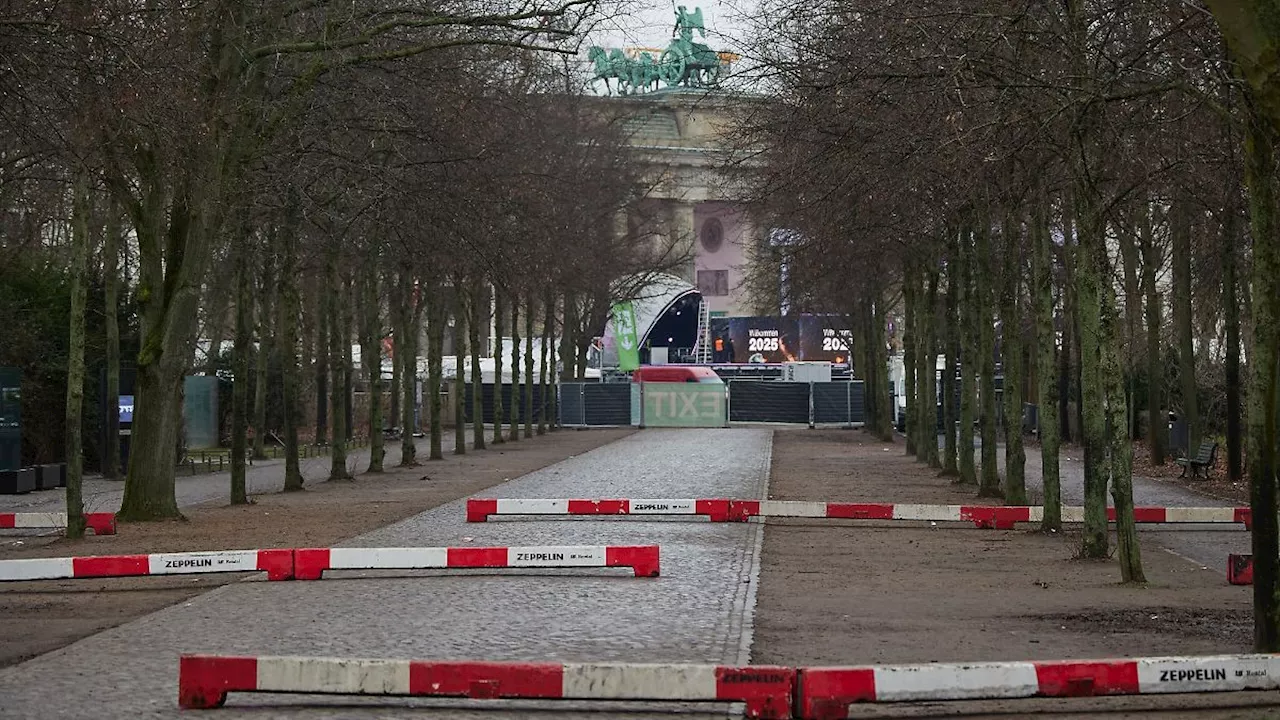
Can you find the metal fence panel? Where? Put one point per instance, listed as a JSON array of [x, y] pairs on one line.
[[486, 396], [607, 403], [763, 401], [573, 411], [838, 402]]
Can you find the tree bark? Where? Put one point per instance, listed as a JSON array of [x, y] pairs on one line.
[[928, 374], [339, 345], [544, 375], [530, 410], [1231, 318], [950, 411], [371, 359], [513, 412], [266, 293], [989, 480], [460, 354], [880, 359], [1157, 420], [1089, 282], [1120, 444], [395, 306], [969, 362], [240, 352], [1180, 229], [82, 208], [1015, 457], [1260, 167], [909, 358], [324, 324], [436, 313], [499, 317], [111, 311], [287, 344], [475, 319], [407, 350], [567, 343], [1047, 392]]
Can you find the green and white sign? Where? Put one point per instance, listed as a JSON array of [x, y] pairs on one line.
[[624, 336], [683, 405]]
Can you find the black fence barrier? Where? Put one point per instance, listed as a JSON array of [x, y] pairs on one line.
[[486, 396]]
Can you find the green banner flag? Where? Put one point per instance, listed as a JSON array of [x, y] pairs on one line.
[[624, 336]]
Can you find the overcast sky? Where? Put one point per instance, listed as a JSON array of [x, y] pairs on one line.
[[647, 23]]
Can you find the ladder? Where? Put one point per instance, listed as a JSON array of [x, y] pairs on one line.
[[702, 346]]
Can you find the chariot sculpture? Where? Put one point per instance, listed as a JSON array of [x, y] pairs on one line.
[[684, 63]]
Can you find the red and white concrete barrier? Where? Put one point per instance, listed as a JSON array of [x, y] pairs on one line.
[[99, 523], [278, 564], [310, 563], [1240, 569], [827, 693], [479, 509], [726, 510], [204, 681]]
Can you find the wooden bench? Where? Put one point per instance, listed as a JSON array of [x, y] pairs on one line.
[[1203, 459]]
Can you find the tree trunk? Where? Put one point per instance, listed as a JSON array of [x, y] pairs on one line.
[[1260, 166], [499, 317], [529, 407], [1015, 457], [460, 353], [371, 359], [880, 359], [544, 374], [1231, 318], [1157, 420], [324, 324], [513, 413], [475, 319], [862, 320], [927, 374], [1047, 392], [339, 345], [567, 344], [436, 313], [1180, 229], [969, 362], [111, 311], [266, 293], [1089, 281], [1132, 325], [909, 358], [240, 384], [984, 300], [951, 335], [82, 208], [287, 345], [395, 306], [1120, 444], [407, 349]]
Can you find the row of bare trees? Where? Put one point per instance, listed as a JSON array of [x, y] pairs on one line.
[[309, 176], [1082, 191]]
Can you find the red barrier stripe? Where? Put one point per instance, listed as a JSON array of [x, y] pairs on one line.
[[717, 510], [860, 511], [7, 520], [642, 558], [111, 566], [766, 689], [479, 509], [486, 680], [203, 682], [478, 557], [597, 507], [1083, 679]]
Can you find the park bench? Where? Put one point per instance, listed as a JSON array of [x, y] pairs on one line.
[[1203, 459]]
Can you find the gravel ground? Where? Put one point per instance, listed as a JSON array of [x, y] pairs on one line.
[[700, 610]]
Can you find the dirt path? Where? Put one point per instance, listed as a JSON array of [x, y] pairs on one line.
[[36, 617], [842, 593]]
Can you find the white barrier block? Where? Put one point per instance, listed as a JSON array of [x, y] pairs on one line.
[[1200, 514], [39, 520], [333, 676], [533, 507], [793, 508], [661, 507], [36, 569], [202, 562], [1209, 673], [626, 681], [1072, 513], [936, 513], [389, 558], [956, 681], [551, 556]]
